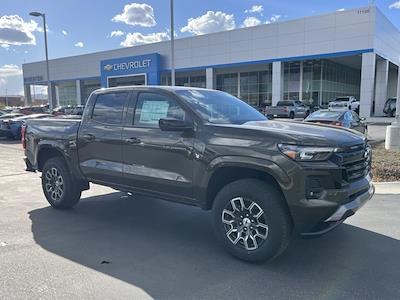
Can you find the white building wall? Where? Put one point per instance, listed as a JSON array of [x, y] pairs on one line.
[[381, 85], [335, 32], [367, 84]]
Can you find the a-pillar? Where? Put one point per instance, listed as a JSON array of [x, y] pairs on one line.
[[277, 82], [367, 84]]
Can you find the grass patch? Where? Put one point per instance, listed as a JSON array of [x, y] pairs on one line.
[[385, 163]]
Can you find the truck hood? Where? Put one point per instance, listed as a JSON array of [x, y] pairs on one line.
[[305, 133]]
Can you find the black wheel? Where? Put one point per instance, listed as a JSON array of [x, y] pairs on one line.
[[251, 220], [392, 113], [59, 186], [291, 115]]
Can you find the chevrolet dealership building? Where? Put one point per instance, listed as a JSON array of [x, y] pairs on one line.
[[314, 59]]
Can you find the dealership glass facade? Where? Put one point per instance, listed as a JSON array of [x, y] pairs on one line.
[[193, 80], [322, 80], [66, 93]]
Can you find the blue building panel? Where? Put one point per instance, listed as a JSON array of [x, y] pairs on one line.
[[148, 64]]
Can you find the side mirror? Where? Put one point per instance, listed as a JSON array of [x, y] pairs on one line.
[[174, 125]]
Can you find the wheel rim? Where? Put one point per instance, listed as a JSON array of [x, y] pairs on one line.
[[245, 223], [54, 184]]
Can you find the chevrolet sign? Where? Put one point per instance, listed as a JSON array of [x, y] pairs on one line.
[[137, 64]]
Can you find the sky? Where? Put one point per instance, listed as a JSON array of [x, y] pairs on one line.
[[78, 27]]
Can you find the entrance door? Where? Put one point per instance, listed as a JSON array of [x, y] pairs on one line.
[[139, 79]]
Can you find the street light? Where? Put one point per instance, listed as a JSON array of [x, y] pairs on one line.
[[49, 94]]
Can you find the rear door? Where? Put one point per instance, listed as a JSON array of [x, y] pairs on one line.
[[99, 138], [154, 160]]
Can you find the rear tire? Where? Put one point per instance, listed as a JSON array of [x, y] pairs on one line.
[[58, 184], [251, 220], [291, 115]]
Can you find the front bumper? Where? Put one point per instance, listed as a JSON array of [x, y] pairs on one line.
[[342, 213]]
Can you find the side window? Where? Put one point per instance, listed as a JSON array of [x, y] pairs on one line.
[[150, 108], [109, 108]]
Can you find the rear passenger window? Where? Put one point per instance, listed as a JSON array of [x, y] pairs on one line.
[[109, 108], [150, 108]]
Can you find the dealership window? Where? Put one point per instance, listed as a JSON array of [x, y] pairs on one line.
[[185, 80], [87, 87], [228, 83], [66, 93], [256, 87]]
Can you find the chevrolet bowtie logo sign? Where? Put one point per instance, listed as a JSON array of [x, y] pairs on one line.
[[108, 67]]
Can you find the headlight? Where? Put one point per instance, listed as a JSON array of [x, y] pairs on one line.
[[306, 153]]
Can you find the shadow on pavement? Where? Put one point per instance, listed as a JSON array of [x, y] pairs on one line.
[[169, 250]]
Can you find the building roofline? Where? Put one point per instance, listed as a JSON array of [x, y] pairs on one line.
[[209, 34]]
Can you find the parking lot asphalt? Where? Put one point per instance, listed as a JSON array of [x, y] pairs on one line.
[[114, 246]]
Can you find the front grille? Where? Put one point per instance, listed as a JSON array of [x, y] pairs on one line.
[[356, 162]]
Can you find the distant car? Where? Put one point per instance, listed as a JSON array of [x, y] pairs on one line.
[[390, 107], [288, 109], [338, 118], [29, 110], [68, 110], [345, 103], [10, 116], [12, 128]]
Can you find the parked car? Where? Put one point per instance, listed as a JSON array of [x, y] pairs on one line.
[[29, 110], [345, 103], [338, 118], [12, 128], [10, 116], [262, 179], [390, 107], [68, 110], [288, 109]]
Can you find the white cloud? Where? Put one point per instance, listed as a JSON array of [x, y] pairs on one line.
[[140, 14], [5, 46], [395, 5], [210, 22], [273, 19], [255, 9], [340, 9], [137, 38], [15, 31], [64, 32], [116, 33], [251, 21], [79, 44], [10, 71]]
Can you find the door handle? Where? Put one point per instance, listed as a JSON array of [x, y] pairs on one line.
[[89, 137], [133, 140]]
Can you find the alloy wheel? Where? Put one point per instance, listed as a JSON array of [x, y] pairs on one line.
[[245, 223], [54, 184]]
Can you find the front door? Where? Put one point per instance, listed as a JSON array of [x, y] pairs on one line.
[[155, 160], [99, 138]]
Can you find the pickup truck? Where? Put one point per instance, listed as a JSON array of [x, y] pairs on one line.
[[264, 180], [288, 109]]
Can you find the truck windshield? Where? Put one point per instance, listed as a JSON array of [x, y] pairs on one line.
[[219, 107]]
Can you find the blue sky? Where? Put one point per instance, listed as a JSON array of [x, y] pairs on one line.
[[78, 27]]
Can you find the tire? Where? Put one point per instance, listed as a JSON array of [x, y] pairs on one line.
[[291, 115], [18, 136], [58, 184], [271, 240], [392, 113]]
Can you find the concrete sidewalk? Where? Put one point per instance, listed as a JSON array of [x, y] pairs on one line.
[[383, 188]]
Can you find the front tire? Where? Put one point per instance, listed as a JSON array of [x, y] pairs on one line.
[[291, 115], [251, 220], [58, 184]]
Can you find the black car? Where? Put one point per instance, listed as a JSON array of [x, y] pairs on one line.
[[390, 107], [263, 180], [337, 118]]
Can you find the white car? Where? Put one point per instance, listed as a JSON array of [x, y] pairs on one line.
[[346, 102]]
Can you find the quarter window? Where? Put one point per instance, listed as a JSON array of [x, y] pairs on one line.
[[150, 108], [109, 108]]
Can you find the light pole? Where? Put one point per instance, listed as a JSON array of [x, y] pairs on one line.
[[49, 93], [172, 43]]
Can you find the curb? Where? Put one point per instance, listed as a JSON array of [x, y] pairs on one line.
[[392, 187]]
